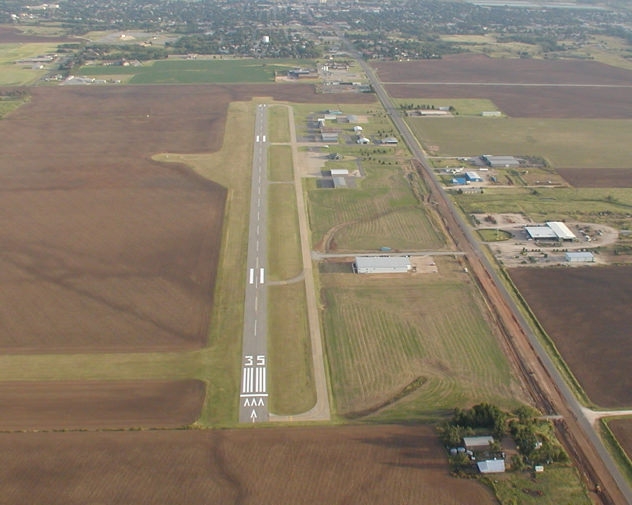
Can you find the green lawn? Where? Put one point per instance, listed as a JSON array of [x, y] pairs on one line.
[[280, 167], [278, 124]]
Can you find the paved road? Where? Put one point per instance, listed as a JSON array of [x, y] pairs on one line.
[[576, 419], [523, 84], [253, 397]]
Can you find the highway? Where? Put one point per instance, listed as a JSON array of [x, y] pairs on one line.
[[601, 467], [253, 397]]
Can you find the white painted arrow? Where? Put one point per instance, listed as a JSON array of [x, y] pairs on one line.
[[253, 416]]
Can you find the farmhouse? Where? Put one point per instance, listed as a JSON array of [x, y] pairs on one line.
[[500, 161], [552, 230], [580, 257], [382, 264]]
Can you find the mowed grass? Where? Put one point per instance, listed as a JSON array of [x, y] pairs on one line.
[[17, 74], [384, 334], [574, 143], [195, 71], [557, 484], [289, 351], [280, 167], [284, 249], [278, 124], [383, 203]]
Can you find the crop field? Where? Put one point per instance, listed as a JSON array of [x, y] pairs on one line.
[[99, 405], [571, 143], [585, 313], [383, 203], [196, 71], [424, 335], [519, 87], [598, 177], [311, 466], [621, 428]]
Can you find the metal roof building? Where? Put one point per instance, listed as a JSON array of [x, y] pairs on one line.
[[491, 466], [580, 257], [561, 230], [551, 230], [478, 442], [382, 264], [500, 161]]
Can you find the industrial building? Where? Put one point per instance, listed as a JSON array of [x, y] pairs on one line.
[[500, 161], [551, 230], [382, 264], [473, 177]]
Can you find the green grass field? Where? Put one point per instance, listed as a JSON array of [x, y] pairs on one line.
[[195, 71], [462, 106], [278, 124], [15, 74], [574, 143], [384, 334], [381, 211], [289, 351], [280, 164], [284, 249]]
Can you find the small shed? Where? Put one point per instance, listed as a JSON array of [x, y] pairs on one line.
[[390, 141], [363, 140], [339, 172], [473, 177], [357, 129]]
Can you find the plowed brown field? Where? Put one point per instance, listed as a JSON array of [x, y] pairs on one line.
[[91, 404], [104, 249], [622, 429], [597, 177], [366, 465], [586, 311], [520, 88]]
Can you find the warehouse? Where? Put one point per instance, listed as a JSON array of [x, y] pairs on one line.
[[551, 230], [382, 264], [500, 161], [473, 177]]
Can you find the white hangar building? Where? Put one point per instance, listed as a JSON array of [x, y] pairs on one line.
[[382, 264], [551, 230]]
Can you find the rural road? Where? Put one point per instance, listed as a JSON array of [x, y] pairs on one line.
[[253, 398], [549, 388]]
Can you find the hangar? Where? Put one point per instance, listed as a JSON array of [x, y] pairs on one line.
[[382, 264]]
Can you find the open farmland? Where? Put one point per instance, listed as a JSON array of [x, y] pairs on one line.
[[585, 311], [423, 333], [311, 466], [587, 143], [518, 87], [598, 177], [99, 405], [621, 428]]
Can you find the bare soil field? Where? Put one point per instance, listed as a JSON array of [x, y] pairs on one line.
[[377, 465], [597, 177], [572, 88], [622, 429], [99, 405], [467, 69], [104, 249], [586, 313]]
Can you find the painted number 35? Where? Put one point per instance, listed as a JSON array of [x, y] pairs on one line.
[[259, 360]]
